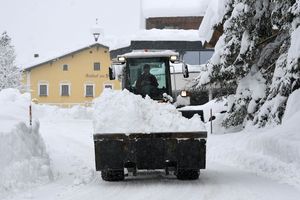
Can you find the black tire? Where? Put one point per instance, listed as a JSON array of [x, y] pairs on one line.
[[187, 174], [112, 175]]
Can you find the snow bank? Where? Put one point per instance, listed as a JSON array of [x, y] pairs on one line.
[[50, 112], [13, 108], [273, 152], [292, 107], [23, 157], [124, 112], [217, 106]]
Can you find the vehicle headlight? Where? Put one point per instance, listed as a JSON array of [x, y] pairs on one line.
[[173, 58], [184, 93], [121, 59]]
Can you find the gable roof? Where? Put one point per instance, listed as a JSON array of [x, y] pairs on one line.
[[40, 62]]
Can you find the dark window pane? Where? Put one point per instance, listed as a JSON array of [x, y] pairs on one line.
[[205, 56], [192, 57], [108, 86], [89, 90], [197, 57], [97, 66], [65, 67], [65, 90], [43, 90]]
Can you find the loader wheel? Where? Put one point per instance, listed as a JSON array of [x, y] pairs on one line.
[[187, 174], [112, 175]]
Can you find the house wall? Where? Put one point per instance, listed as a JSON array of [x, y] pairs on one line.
[[80, 72], [190, 22]]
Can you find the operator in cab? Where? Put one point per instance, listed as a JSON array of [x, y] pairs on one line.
[[147, 83]]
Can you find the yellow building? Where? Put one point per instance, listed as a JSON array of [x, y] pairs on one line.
[[70, 79]]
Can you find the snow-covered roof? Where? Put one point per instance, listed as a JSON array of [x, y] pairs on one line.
[[214, 14], [174, 8], [158, 35], [167, 35], [146, 54], [45, 59]]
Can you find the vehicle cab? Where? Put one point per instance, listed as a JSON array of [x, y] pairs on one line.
[[131, 69]]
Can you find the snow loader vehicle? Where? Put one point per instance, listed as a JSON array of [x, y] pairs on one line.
[[182, 153]]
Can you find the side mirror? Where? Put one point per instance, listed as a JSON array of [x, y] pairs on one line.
[[185, 70], [112, 74]]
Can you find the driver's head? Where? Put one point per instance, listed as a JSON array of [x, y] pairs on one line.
[[146, 69]]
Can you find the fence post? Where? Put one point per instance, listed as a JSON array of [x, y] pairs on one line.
[[30, 115], [211, 125]]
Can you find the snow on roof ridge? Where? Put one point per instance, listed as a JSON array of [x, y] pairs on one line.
[[174, 8], [42, 60], [143, 53]]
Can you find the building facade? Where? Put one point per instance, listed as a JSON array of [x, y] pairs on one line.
[[182, 22], [71, 79]]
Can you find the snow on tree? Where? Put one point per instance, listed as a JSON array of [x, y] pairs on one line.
[[259, 54], [286, 76], [10, 75]]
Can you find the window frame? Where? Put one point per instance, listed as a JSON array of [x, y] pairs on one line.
[[99, 66], [39, 89], [69, 89], [85, 89], [110, 84], [65, 65]]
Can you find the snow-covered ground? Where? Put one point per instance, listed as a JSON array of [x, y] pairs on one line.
[[253, 164]]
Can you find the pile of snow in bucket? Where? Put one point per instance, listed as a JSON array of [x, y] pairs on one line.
[[23, 157], [124, 112]]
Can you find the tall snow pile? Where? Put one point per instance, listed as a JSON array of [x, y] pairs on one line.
[[23, 157], [274, 153], [124, 112]]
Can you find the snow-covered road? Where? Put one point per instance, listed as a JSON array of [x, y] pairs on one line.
[[70, 146]]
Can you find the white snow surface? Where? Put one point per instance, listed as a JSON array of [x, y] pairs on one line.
[[167, 35], [124, 112], [24, 161], [253, 164], [174, 8], [253, 85], [214, 14], [292, 106], [294, 50]]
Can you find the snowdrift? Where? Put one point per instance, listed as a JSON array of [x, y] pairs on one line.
[[124, 112], [272, 152], [53, 113], [23, 157]]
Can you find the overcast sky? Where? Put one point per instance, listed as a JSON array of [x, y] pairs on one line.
[[43, 26], [52, 27]]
